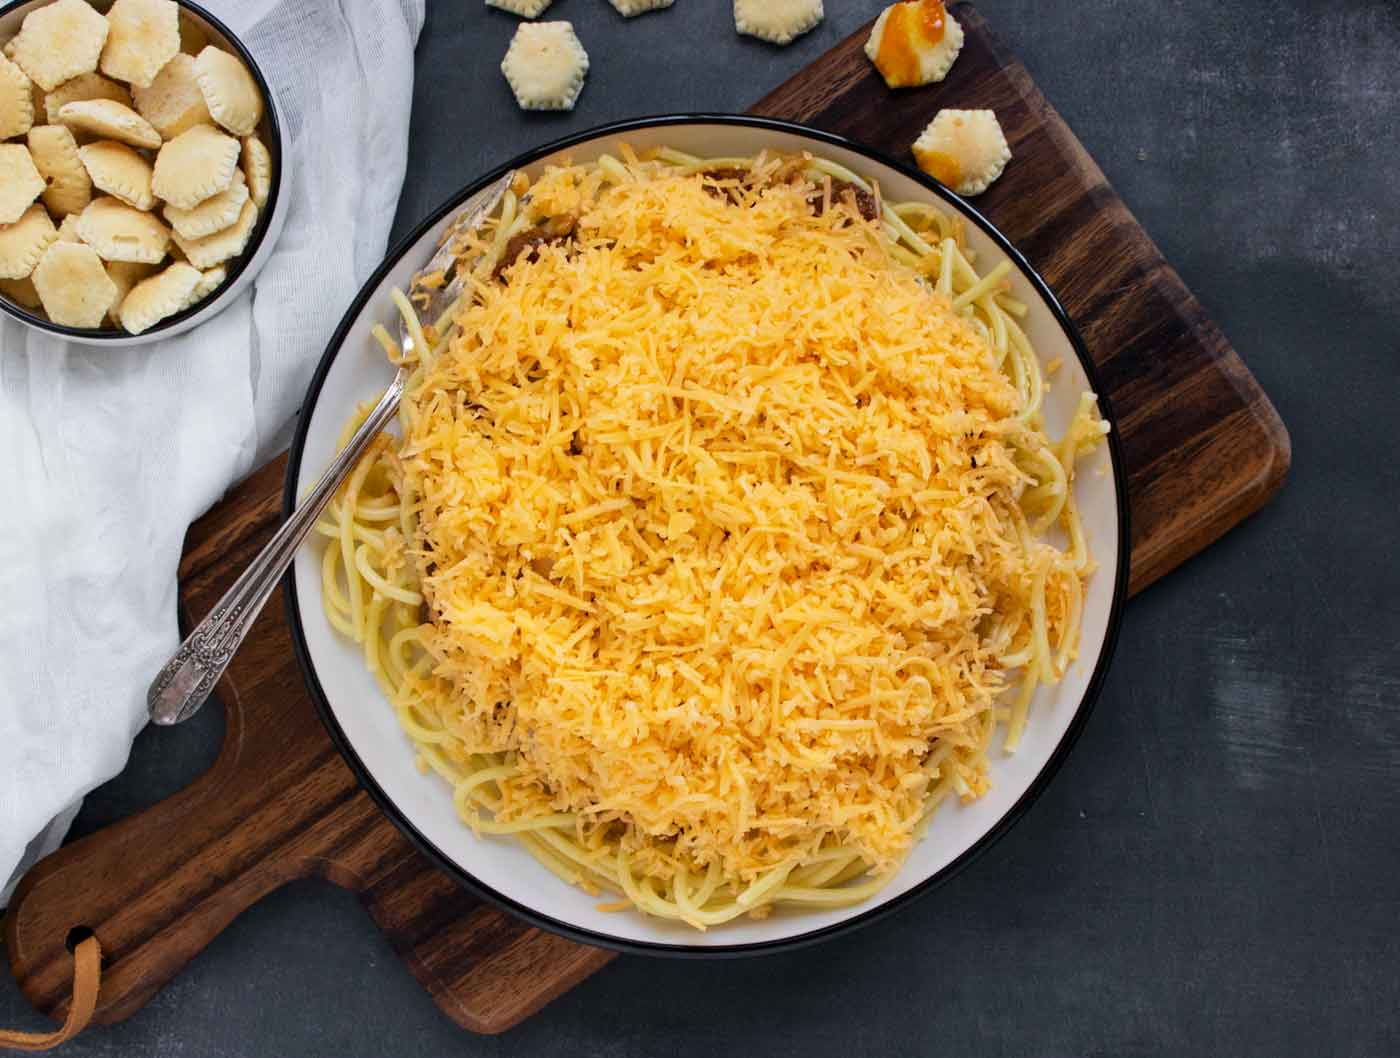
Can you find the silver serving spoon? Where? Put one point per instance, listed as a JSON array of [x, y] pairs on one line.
[[184, 684]]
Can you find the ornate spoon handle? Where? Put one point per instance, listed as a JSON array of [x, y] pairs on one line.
[[183, 685]]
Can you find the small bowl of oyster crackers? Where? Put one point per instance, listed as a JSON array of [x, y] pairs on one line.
[[141, 157]]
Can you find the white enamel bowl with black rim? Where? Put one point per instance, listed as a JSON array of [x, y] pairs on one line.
[[363, 726], [242, 268]]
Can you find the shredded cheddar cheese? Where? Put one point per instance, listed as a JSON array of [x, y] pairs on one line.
[[718, 522]]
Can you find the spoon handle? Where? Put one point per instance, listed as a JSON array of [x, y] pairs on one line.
[[183, 685]]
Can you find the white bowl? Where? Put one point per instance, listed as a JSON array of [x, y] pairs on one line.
[[241, 269], [364, 727]]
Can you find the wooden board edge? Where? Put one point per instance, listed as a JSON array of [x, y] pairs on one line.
[[1152, 562]]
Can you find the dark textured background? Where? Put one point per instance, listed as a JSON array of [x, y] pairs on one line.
[[1216, 869]]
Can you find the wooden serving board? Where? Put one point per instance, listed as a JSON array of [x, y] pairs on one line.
[[1204, 448]]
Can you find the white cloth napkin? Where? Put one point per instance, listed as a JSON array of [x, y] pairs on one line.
[[109, 455]]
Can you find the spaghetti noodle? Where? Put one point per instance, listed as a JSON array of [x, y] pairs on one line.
[[715, 546]]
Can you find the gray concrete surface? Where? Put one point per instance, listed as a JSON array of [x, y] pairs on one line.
[[1215, 869]]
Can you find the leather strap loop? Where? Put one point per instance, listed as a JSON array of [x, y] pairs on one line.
[[87, 976]]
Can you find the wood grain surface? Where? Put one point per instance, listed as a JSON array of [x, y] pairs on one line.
[[1203, 445]]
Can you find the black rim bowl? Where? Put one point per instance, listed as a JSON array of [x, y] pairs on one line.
[[586, 936], [240, 263]]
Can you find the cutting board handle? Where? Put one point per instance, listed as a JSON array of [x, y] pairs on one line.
[[159, 886]]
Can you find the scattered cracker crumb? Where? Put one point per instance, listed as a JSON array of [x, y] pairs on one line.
[[545, 66], [917, 61], [964, 150], [523, 8], [632, 8], [777, 21]]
